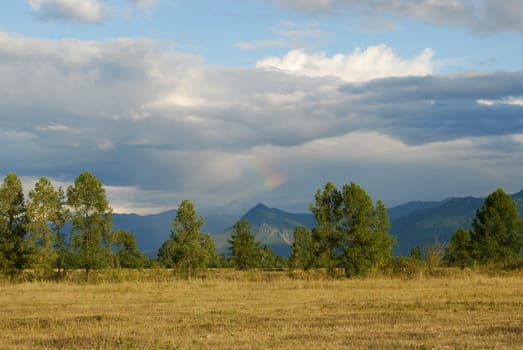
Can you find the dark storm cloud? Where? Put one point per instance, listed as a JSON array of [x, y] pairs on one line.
[[139, 114], [426, 109]]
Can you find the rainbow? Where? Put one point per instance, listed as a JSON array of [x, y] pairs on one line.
[[264, 174]]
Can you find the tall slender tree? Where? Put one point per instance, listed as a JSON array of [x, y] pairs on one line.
[[14, 251], [43, 212], [358, 244], [62, 217], [301, 249], [245, 250], [326, 235], [187, 250], [383, 256], [92, 223]]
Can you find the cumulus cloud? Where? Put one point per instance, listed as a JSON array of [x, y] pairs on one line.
[[361, 65], [479, 16], [163, 125], [85, 11]]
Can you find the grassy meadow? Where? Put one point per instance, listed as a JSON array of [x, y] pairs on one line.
[[259, 310]]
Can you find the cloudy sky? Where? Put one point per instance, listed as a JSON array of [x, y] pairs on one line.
[[234, 102]]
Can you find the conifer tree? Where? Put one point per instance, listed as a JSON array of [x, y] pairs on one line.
[[92, 223], [350, 233], [126, 251], [244, 249], [14, 251], [188, 250], [43, 211], [301, 249]]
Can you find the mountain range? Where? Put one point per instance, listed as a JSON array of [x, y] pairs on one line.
[[413, 224]]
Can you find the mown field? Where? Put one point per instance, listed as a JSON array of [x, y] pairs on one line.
[[265, 311]]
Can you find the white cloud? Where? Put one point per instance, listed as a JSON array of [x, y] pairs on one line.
[[176, 99], [85, 11], [374, 62], [53, 127], [518, 138], [511, 101]]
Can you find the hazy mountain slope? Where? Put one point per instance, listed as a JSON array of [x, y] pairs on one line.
[[424, 226], [275, 227], [152, 230], [408, 208], [413, 223]]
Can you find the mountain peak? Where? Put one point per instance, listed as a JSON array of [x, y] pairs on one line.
[[261, 206], [258, 207]]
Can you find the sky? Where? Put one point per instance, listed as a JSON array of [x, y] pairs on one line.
[[234, 102]]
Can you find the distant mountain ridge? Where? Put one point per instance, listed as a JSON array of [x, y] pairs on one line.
[[414, 224], [428, 222], [152, 230], [275, 227]]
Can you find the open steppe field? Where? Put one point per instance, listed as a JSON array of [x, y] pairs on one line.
[[265, 311]]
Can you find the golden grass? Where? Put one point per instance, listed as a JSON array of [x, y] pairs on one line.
[[263, 311]]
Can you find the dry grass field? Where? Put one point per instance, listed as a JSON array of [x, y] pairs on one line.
[[468, 311]]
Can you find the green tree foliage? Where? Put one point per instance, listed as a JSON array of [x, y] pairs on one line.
[[498, 230], [326, 235], [244, 249], [351, 233], [209, 248], [187, 250], [126, 251], [416, 253], [301, 249], [13, 223], [92, 221], [44, 212], [61, 218], [460, 249], [496, 235]]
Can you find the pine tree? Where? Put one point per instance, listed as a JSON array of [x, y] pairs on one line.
[[43, 211], [187, 250], [245, 251], [301, 249], [498, 231], [351, 234], [92, 223], [14, 251]]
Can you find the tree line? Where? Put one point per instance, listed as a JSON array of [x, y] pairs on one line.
[[33, 236], [351, 235]]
